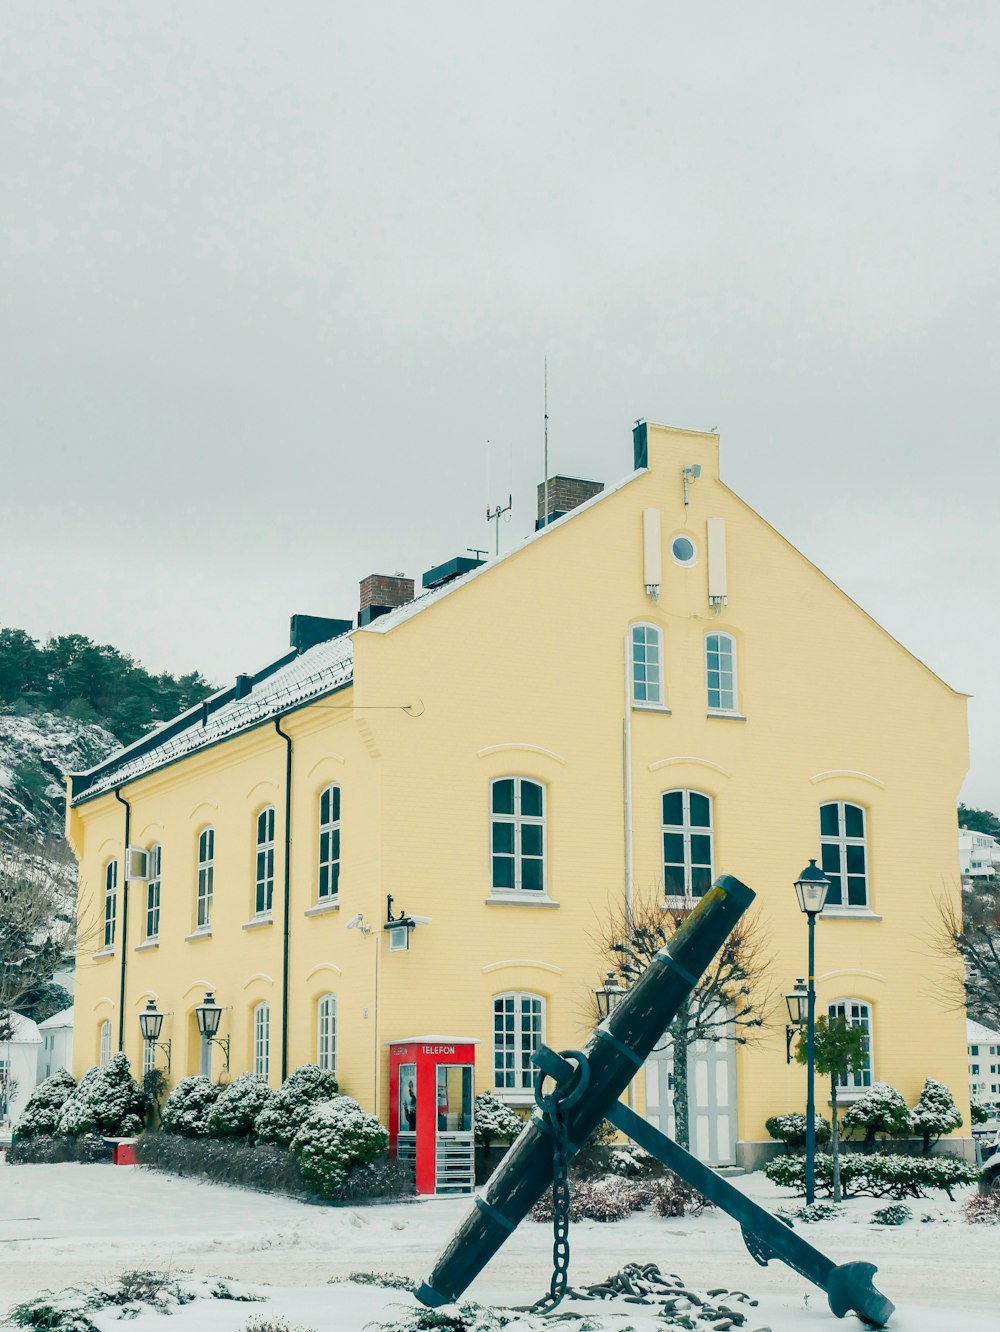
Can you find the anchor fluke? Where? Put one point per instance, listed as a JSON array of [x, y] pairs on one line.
[[849, 1286]]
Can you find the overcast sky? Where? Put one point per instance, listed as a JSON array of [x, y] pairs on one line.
[[274, 273]]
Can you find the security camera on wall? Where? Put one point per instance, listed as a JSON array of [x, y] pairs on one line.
[[354, 922], [421, 920]]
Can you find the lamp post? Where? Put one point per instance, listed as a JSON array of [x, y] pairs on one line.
[[208, 1015], [811, 888], [150, 1024], [609, 995]]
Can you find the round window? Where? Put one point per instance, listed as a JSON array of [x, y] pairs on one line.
[[683, 551]]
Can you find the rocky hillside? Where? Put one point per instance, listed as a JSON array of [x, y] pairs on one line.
[[35, 751]]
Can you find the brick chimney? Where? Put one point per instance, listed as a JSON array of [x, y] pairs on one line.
[[381, 593], [565, 493]]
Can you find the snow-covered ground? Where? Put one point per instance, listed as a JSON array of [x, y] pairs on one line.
[[61, 1224]]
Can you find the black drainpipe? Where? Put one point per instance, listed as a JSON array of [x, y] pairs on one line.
[[124, 934], [287, 905]]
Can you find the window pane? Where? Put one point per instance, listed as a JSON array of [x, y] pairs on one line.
[[640, 690], [531, 839], [673, 848], [701, 880], [834, 896], [828, 821], [531, 875], [701, 811], [854, 821], [503, 872], [531, 799], [335, 803], [335, 844], [855, 859], [856, 895], [324, 806], [503, 838], [324, 880], [673, 880], [673, 807], [701, 849], [830, 856], [503, 796]]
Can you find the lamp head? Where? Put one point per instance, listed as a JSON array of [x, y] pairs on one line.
[[208, 1014], [150, 1022], [811, 888], [798, 1004]]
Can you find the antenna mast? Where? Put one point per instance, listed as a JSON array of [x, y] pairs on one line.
[[545, 511], [495, 512]]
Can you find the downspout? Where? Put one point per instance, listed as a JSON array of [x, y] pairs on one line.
[[627, 802], [124, 935], [287, 904]]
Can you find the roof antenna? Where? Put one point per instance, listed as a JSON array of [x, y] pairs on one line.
[[495, 512], [545, 511]]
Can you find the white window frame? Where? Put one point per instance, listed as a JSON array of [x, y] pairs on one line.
[[859, 1014], [206, 878], [727, 695], [329, 830], [264, 862], [687, 830], [519, 821], [517, 1081], [110, 902], [841, 842], [262, 1039], [155, 866], [326, 1033], [651, 684], [104, 1043]]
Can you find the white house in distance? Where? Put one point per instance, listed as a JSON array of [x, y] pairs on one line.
[[57, 1043], [978, 855], [18, 1067], [984, 1065]]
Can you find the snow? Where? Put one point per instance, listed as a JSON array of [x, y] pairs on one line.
[[60, 1224]]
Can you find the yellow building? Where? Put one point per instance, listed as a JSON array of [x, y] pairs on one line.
[[653, 689]]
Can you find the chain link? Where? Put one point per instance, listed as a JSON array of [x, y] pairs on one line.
[[556, 1114]]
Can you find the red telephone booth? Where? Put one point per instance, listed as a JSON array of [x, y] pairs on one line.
[[432, 1083]]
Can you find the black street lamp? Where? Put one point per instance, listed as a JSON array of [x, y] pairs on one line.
[[208, 1015], [150, 1024], [811, 888], [798, 1008], [609, 995]]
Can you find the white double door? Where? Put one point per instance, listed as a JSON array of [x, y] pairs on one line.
[[711, 1098]]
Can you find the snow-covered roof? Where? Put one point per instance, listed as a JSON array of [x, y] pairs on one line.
[[63, 1019], [293, 681], [23, 1030], [977, 1034]]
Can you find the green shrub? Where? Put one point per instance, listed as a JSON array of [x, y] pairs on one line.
[[106, 1100], [495, 1122], [880, 1110], [89, 1149], [876, 1176], [290, 1106], [980, 1115], [935, 1113], [188, 1105], [337, 1136], [233, 1114], [894, 1215], [40, 1117], [791, 1130], [262, 1166], [820, 1211]]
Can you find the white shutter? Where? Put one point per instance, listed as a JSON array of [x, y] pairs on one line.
[[652, 552], [717, 589]]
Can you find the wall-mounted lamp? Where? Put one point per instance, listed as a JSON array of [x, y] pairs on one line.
[[399, 927], [150, 1024], [798, 1013], [609, 995], [208, 1015]]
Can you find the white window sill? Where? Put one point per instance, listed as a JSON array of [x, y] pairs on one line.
[[146, 944], [321, 908], [723, 715], [848, 913], [680, 903], [848, 1095], [202, 932], [652, 707], [265, 918], [520, 897], [515, 1097], [102, 953]]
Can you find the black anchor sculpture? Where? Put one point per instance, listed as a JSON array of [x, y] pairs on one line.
[[588, 1085]]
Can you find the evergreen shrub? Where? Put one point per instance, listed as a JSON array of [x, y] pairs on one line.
[[188, 1105], [894, 1215], [89, 1149], [791, 1130], [495, 1122], [233, 1114], [107, 1101], [876, 1176], [935, 1113], [880, 1110], [40, 1117], [290, 1106], [337, 1136]]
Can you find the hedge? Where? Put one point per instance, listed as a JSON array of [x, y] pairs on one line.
[[876, 1176]]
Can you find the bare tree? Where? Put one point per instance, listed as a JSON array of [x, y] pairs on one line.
[[732, 1001], [37, 919], [970, 933]]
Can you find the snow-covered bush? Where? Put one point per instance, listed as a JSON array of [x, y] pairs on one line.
[[48, 1150], [40, 1117], [290, 1106], [233, 1114], [791, 1130], [494, 1121], [337, 1135], [880, 1110], [935, 1113], [261, 1165], [983, 1209], [821, 1211], [980, 1114], [876, 1176], [106, 1100], [613, 1198], [188, 1105], [133, 1293], [894, 1215]]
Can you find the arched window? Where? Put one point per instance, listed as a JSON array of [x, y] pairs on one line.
[[110, 902], [858, 1014], [646, 665], [262, 1039], [720, 672], [326, 1033], [206, 876], [518, 1031], [104, 1057], [153, 892], [517, 834], [687, 845], [329, 843], [844, 851], [265, 861]]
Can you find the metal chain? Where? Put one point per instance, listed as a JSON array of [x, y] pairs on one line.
[[557, 1117]]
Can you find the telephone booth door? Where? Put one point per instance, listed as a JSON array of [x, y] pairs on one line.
[[431, 1111]]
